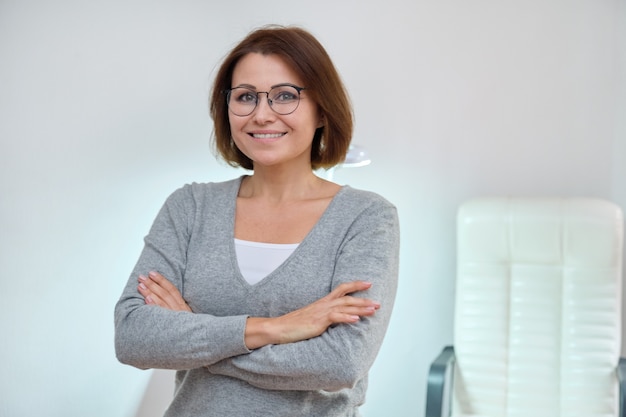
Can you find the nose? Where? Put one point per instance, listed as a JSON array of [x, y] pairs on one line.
[[263, 111]]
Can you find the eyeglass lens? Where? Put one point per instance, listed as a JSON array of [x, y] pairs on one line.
[[283, 99]]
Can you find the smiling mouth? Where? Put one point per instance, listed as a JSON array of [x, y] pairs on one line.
[[267, 135]]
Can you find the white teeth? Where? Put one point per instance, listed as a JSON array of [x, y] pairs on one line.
[[267, 135]]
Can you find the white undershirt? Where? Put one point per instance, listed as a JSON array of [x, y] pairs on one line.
[[257, 260]]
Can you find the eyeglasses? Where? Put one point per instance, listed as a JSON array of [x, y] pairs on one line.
[[283, 99]]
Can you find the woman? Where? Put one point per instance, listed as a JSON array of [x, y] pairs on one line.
[[270, 293]]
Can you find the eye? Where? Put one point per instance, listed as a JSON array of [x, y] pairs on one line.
[[243, 96], [285, 94]]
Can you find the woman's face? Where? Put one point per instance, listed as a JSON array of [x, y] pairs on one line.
[[264, 136]]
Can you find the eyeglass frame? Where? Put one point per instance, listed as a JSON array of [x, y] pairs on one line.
[[228, 91]]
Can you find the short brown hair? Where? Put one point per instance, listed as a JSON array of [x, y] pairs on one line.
[[310, 61]]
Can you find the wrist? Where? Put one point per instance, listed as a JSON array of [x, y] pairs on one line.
[[259, 332]]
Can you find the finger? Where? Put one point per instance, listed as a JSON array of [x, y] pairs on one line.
[[172, 295], [150, 287], [169, 294], [355, 310], [163, 282], [338, 318], [347, 317], [155, 295], [149, 296], [350, 315], [163, 297], [166, 290], [349, 288], [357, 302]]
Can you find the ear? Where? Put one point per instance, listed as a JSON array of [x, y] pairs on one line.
[[321, 122]]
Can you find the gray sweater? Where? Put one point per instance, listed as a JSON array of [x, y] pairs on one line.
[[192, 244]]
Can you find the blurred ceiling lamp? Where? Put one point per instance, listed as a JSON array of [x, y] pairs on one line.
[[355, 157]]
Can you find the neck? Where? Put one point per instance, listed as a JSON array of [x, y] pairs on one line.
[[280, 186]]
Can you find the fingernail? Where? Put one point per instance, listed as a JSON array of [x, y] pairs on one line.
[[149, 300], [143, 287], [142, 278], [152, 274]]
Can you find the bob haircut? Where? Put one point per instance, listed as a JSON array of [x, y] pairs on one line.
[[310, 61]]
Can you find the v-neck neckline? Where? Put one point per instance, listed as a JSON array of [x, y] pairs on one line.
[[301, 246]]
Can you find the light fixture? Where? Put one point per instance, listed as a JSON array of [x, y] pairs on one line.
[[355, 157]]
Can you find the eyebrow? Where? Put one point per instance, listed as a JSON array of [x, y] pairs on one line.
[[251, 87]]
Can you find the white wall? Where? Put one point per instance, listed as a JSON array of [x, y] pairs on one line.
[[103, 113]]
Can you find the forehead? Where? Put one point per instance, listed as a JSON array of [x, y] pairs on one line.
[[263, 71]]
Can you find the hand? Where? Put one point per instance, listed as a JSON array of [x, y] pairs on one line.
[[157, 290], [313, 319]]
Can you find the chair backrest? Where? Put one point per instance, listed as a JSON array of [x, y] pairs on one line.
[[538, 308]]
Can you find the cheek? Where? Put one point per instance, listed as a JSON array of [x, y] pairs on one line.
[[236, 125], [232, 122]]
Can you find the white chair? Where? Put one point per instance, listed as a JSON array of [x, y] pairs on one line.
[[537, 314]]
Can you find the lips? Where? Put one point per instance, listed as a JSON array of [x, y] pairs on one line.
[[267, 135]]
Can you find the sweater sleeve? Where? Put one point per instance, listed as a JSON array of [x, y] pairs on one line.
[[343, 355], [153, 337]]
